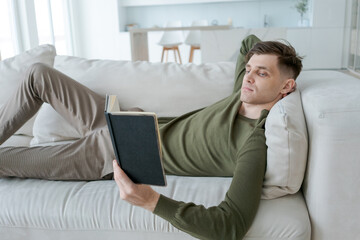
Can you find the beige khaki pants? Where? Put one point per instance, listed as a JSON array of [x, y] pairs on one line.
[[88, 158]]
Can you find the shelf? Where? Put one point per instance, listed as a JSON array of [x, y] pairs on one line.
[[203, 28], [139, 3]]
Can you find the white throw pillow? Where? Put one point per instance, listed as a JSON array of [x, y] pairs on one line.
[[287, 141], [12, 72], [50, 127]]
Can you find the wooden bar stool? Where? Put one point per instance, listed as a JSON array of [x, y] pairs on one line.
[[192, 49], [175, 49], [194, 38], [171, 40]]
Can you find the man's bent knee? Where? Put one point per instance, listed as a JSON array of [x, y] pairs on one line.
[[37, 73], [38, 68]]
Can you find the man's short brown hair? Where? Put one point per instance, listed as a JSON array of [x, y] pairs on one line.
[[289, 61]]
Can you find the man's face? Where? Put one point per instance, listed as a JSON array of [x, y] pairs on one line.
[[262, 81]]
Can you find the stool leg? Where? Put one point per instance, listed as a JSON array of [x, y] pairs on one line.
[[191, 54], [174, 50], [162, 55], [177, 48], [167, 52]]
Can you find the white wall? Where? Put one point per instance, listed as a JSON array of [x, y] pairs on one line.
[[96, 29], [329, 37], [325, 45]]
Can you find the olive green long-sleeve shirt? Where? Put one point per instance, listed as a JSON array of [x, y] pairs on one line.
[[217, 141]]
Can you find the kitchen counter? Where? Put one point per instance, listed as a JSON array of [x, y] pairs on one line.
[[139, 38]]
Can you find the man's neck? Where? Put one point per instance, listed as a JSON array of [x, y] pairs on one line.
[[249, 111], [253, 111]]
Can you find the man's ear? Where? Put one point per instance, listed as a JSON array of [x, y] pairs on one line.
[[288, 86]]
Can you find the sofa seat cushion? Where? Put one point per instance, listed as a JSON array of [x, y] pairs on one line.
[[93, 210]]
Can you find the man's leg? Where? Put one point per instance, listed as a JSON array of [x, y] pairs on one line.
[[80, 106], [89, 158]]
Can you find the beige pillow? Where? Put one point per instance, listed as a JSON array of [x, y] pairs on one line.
[[12, 72], [287, 141]]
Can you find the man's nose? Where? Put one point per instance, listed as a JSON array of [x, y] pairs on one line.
[[250, 77]]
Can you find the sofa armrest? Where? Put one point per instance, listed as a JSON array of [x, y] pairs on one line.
[[331, 102]]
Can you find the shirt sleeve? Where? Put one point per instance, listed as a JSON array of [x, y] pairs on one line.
[[246, 45], [232, 218]]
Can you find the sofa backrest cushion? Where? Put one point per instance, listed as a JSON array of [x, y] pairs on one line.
[[166, 89], [12, 72], [171, 90]]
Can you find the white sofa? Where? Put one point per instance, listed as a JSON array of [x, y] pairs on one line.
[[326, 206]]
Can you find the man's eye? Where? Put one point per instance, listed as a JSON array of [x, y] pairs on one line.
[[262, 74]]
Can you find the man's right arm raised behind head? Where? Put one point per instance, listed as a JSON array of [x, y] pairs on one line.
[[246, 45]]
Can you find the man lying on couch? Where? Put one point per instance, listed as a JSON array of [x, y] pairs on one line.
[[224, 139]]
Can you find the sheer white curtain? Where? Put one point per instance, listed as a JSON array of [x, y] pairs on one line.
[[52, 18], [7, 46], [25, 24], [354, 53]]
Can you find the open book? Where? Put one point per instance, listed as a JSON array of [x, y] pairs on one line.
[[136, 140]]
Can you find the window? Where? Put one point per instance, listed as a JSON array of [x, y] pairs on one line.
[[27, 24], [51, 22], [7, 48]]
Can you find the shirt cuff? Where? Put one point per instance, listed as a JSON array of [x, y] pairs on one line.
[[166, 208]]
